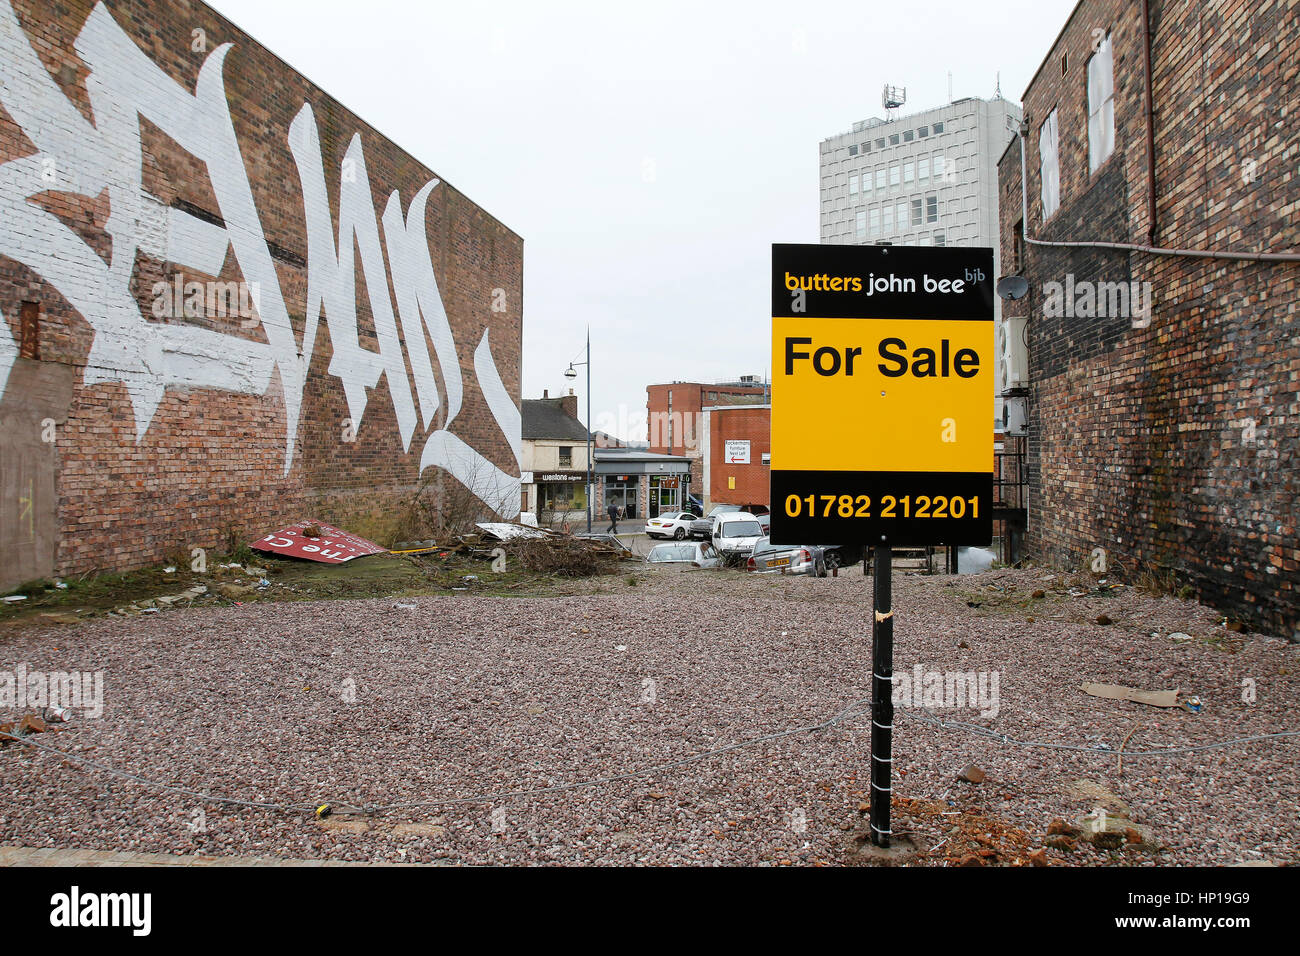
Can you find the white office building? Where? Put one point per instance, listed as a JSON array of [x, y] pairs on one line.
[[927, 178]]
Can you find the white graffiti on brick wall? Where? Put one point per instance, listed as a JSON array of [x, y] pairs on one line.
[[75, 156]]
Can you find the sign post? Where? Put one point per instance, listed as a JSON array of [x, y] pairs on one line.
[[882, 420], [882, 695]]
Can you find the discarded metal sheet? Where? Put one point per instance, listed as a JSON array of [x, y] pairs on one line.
[[327, 544], [505, 531], [1153, 698]]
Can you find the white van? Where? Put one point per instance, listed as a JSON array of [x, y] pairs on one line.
[[736, 532]]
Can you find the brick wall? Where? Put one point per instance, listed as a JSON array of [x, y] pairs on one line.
[[688, 399], [172, 431], [1172, 445], [754, 480]]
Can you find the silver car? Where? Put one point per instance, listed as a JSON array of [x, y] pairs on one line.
[[769, 558], [700, 555]]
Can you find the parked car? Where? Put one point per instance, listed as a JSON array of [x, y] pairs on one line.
[[684, 552], [736, 533], [842, 555], [769, 558], [672, 524], [703, 527]]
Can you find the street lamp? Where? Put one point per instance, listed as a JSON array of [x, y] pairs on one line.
[[571, 373]]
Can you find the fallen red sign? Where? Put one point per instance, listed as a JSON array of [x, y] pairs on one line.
[[325, 544]]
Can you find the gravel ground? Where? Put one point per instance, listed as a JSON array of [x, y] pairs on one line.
[[467, 696]]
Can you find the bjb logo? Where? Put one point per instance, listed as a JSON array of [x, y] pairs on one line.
[[974, 275]]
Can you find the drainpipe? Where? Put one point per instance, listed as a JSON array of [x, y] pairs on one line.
[[1151, 124]]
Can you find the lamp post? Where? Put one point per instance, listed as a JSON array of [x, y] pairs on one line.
[[571, 373]]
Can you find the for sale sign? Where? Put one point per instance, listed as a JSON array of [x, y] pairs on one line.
[[882, 395]]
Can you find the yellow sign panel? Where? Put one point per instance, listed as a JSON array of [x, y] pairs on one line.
[[882, 395], [883, 367]]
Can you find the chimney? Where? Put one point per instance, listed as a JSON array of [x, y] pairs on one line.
[[569, 404], [546, 393]]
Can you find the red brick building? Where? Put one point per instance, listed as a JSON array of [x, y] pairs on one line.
[[1159, 238], [674, 415], [190, 350], [737, 462]]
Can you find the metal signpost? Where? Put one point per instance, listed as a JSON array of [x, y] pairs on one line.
[[882, 420]]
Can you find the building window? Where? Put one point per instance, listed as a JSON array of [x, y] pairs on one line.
[[939, 239], [938, 166], [853, 151], [861, 224], [880, 179], [908, 136], [853, 185], [900, 215], [866, 181], [923, 168], [893, 176], [887, 220], [1049, 170], [566, 456], [909, 171], [873, 220], [916, 211], [880, 144], [938, 128], [1101, 105], [923, 132], [931, 209], [893, 140]]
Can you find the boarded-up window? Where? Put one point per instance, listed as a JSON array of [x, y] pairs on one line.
[[29, 344]]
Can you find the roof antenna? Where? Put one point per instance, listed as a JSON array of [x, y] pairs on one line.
[[891, 98], [997, 89], [950, 86]]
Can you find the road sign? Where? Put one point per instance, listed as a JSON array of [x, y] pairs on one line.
[[882, 395], [737, 451]]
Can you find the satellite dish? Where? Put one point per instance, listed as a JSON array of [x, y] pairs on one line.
[[1013, 287]]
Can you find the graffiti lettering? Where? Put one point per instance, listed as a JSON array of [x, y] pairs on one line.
[[148, 357]]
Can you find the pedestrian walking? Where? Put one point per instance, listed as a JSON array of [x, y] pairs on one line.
[[614, 513]]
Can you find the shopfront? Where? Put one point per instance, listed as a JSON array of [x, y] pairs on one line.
[[643, 484], [622, 490], [665, 495], [561, 491]]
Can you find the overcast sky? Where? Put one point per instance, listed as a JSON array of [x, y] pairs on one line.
[[648, 153]]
